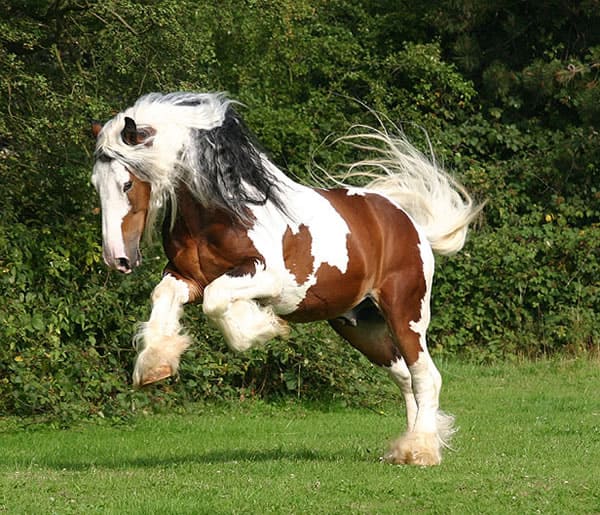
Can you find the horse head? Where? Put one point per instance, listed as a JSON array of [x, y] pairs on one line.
[[124, 197]]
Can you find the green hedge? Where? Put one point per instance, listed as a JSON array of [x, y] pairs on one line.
[[510, 106]]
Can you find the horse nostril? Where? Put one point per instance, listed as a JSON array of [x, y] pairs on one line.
[[124, 263]]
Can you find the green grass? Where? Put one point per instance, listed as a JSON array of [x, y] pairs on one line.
[[529, 442]]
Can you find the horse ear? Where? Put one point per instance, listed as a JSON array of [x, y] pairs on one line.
[[129, 132], [96, 128], [133, 135]]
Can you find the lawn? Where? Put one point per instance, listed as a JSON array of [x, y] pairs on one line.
[[529, 442]]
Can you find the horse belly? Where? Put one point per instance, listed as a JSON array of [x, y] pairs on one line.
[[329, 294]]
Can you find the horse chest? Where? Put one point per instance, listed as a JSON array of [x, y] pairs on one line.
[[209, 246]]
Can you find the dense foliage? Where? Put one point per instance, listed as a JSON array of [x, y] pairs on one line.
[[508, 92]]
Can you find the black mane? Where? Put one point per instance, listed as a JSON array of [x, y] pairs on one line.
[[230, 171]]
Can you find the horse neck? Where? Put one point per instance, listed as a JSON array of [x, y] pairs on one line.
[[191, 212], [192, 216]]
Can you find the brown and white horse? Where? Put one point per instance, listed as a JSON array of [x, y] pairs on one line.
[[259, 250]]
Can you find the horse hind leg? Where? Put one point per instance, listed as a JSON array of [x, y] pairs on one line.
[[431, 429], [400, 374], [405, 305], [366, 330]]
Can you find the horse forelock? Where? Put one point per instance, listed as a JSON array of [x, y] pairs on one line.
[[199, 141]]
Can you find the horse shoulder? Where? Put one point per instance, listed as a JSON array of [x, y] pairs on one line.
[[203, 246]]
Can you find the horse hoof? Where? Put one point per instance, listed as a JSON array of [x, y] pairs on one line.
[[156, 374], [421, 449]]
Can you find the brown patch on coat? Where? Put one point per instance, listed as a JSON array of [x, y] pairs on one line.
[[134, 222], [297, 253], [204, 244], [331, 295], [400, 299]]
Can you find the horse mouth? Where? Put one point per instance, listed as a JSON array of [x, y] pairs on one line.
[[125, 265]]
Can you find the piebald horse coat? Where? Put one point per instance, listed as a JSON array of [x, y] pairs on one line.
[[260, 250]]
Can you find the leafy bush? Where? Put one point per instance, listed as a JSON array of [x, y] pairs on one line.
[[535, 293], [510, 106]]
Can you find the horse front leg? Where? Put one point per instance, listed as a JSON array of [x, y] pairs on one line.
[[159, 340], [238, 303]]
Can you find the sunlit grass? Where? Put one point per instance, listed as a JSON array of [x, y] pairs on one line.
[[529, 442]]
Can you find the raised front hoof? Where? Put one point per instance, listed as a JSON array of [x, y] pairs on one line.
[[421, 449], [160, 360], [153, 376]]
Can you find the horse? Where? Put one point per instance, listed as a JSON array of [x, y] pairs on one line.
[[260, 250]]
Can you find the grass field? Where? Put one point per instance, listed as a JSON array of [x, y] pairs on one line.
[[529, 442]]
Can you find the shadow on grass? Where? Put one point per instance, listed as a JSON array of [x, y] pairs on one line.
[[232, 456]]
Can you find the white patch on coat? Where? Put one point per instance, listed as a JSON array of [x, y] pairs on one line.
[[219, 294], [361, 192], [109, 179], [400, 374], [328, 231], [420, 326]]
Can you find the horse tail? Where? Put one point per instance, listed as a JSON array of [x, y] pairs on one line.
[[437, 202]]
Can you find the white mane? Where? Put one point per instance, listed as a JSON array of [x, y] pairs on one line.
[[198, 140], [164, 162]]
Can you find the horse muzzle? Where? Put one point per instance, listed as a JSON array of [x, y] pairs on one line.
[[123, 264]]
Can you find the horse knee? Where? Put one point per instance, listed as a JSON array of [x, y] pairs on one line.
[[175, 290], [245, 324], [216, 300]]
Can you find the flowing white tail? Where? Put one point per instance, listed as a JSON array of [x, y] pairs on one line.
[[437, 202]]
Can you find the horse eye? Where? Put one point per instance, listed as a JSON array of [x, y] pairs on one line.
[[127, 186]]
